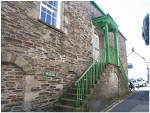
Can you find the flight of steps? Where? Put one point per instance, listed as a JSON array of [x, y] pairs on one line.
[[68, 101]]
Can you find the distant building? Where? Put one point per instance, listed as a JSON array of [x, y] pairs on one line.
[[136, 67], [130, 65]]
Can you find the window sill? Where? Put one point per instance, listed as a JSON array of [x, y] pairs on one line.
[[51, 26]]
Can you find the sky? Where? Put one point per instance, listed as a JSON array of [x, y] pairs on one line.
[[129, 15]]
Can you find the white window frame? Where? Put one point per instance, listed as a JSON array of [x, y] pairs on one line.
[[95, 44], [58, 11]]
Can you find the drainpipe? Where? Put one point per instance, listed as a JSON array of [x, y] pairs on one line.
[[116, 48], [107, 44]]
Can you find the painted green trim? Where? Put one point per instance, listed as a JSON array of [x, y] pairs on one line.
[[122, 35], [95, 4], [123, 73], [107, 44], [100, 21], [112, 20], [89, 77], [116, 49]]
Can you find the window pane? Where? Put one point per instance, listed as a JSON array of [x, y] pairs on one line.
[[56, 4], [53, 21], [48, 19], [49, 12], [51, 2], [43, 15], [43, 8], [54, 14]]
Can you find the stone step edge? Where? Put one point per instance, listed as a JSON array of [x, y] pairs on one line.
[[67, 99], [73, 88], [66, 106], [72, 100], [75, 94], [71, 93]]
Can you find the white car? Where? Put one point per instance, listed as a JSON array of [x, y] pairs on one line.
[[138, 82], [135, 83], [141, 82]]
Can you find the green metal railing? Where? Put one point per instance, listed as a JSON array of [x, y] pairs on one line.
[[113, 61], [92, 74], [89, 77], [113, 56], [123, 72]]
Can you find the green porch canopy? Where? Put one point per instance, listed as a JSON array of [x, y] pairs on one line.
[[106, 25], [100, 22]]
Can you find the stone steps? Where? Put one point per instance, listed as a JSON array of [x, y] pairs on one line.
[[70, 95], [67, 103], [73, 90], [66, 108]]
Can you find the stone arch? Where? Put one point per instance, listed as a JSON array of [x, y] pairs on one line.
[[12, 88], [9, 57]]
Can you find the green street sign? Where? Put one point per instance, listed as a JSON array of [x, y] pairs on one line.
[[49, 74]]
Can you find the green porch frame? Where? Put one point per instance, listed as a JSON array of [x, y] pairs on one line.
[[106, 25]]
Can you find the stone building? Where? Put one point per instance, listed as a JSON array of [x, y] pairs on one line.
[[46, 47]]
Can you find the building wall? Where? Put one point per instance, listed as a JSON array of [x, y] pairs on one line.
[[110, 85], [122, 52], [66, 52], [12, 88]]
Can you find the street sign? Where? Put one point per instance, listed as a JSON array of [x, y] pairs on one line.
[[49, 74]]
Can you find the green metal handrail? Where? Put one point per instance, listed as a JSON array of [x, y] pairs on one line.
[[89, 77], [123, 72], [113, 61], [113, 56]]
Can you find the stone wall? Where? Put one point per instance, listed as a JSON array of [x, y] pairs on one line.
[[66, 52], [12, 88], [122, 48], [122, 52], [111, 85]]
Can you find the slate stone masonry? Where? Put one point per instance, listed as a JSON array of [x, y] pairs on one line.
[[34, 48]]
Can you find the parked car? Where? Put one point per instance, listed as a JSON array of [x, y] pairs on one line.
[[131, 80], [141, 82], [138, 82], [135, 83]]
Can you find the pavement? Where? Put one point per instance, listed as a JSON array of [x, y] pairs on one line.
[[137, 101]]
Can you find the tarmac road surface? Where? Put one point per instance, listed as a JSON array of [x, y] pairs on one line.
[[137, 102]]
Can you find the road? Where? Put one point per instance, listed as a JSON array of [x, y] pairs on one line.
[[136, 102]]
